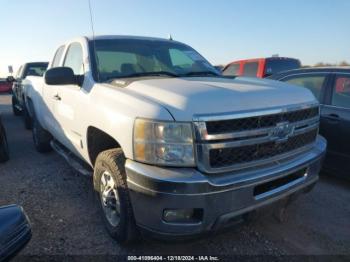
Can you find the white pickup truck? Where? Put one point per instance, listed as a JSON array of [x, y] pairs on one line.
[[174, 148]]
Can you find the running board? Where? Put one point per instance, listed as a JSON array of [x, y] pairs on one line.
[[75, 162]]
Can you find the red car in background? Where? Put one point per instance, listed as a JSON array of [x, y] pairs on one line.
[[261, 67], [5, 87]]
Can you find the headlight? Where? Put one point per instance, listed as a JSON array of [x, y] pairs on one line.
[[164, 143]]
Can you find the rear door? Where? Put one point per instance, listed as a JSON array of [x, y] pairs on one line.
[[336, 123]]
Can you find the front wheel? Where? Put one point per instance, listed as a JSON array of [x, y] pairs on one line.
[[113, 196]]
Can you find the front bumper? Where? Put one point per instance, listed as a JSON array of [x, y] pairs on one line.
[[221, 197]]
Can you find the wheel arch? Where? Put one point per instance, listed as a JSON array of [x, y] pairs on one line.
[[99, 141]]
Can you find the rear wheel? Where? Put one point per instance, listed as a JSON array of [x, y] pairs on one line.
[[4, 149], [113, 196], [15, 109], [41, 137]]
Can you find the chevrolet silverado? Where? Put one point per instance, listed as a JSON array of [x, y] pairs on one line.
[[173, 147]]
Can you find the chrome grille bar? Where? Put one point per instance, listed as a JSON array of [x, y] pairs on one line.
[[206, 142]]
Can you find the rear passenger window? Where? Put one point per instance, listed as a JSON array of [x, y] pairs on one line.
[[341, 92], [312, 82], [232, 70], [251, 69], [58, 56]]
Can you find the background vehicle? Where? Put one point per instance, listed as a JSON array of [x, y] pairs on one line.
[[331, 86], [260, 67], [175, 148], [4, 150], [18, 101], [15, 231], [5, 87], [219, 68]]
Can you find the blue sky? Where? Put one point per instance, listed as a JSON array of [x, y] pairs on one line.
[[221, 30]]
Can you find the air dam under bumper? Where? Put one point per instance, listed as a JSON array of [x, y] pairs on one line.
[[219, 197]]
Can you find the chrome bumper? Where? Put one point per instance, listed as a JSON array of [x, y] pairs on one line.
[[220, 196]]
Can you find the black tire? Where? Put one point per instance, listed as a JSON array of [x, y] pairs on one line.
[[28, 123], [15, 110], [41, 137], [113, 162], [4, 149]]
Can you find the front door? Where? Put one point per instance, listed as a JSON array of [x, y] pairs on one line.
[[336, 124], [71, 99], [51, 98]]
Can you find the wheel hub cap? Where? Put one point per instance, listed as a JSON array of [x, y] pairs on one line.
[[109, 198]]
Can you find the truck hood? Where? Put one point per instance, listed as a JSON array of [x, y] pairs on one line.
[[186, 97]]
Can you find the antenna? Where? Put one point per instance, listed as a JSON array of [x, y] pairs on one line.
[[170, 37], [93, 39], [91, 20]]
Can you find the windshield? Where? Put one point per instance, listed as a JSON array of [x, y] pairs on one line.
[[121, 58]]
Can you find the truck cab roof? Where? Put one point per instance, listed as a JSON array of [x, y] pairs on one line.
[[127, 37]]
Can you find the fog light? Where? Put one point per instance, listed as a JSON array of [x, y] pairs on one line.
[[183, 215]]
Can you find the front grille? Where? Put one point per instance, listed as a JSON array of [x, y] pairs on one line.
[[224, 157], [256, 122]]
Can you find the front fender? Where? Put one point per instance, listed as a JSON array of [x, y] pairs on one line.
[[114, 110]]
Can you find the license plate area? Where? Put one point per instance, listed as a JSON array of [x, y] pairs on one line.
[[279, 184]]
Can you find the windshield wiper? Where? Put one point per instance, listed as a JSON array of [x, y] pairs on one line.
[[202, 73], [158, 73]]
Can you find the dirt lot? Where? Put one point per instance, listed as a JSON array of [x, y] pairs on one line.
[[65, 218]]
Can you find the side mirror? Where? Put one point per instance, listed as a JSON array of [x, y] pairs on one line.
[[10, 79], [15, 231], [60, 76]]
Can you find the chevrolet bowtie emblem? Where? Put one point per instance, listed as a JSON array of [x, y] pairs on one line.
[[282, 132]]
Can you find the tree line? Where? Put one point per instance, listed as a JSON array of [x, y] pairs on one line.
[[322, 64]]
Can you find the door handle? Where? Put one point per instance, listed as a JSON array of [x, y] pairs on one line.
[[57, 97], [333, 118]]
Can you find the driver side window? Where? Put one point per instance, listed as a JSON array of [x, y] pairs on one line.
[[58, 55], [74, 58]]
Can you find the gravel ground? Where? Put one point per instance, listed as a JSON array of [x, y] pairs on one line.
[[65, 219]]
